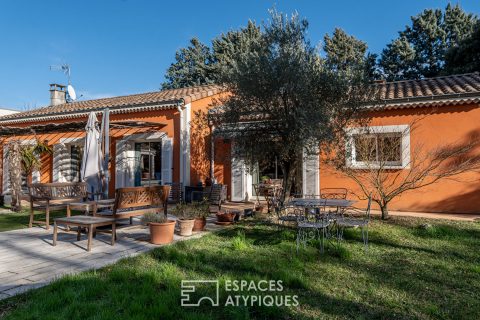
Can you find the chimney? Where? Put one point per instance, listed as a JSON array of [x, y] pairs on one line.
[[57, 94]]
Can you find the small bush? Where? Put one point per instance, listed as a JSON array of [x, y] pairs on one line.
[[239, 242]]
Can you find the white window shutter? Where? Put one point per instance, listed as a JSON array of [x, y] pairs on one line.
[[238, 180], [124, 164], [167, 160], [311, 175], [36, 176], [61, 162]]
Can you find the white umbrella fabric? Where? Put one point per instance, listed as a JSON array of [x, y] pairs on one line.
[[91, 171]]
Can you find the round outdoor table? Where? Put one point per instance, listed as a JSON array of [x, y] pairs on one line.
[[314, 203], [317, 203]]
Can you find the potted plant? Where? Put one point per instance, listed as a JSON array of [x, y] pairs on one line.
[[201, 211], [185, 217], [225, 217], [161, 228], [265, 179]]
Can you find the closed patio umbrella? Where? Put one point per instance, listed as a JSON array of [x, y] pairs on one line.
[[91, 171]]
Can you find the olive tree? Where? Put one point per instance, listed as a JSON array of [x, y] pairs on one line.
[[284, 100]]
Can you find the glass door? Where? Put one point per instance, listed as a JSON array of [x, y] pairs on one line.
[[269, 170], [148, 163]]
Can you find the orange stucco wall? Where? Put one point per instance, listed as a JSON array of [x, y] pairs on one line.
[[199, 162], [435, 128], [168, 117]]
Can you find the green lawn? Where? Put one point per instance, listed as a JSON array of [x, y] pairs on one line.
[[409, 272], [19, 220]]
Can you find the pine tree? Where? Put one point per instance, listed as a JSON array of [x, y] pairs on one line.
[[466, 56], [193, 66], [420, 49], [398, 60], [226, 46]]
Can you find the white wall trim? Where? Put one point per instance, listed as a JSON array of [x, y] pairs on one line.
[[77, 140], [310, 174], [144, 137], [125, 156], [186, 146], [405, 147]]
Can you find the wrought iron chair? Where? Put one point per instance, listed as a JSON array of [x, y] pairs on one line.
[[350, 219], [315, 224], [288, 214], [334, 193]]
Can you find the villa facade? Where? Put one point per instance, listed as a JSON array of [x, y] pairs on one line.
[[180, 150]]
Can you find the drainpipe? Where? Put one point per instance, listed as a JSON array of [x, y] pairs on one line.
[[212, 154]]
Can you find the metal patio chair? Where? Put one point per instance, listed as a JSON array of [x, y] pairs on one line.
[[333, 193], [351, 219], [315, 224]]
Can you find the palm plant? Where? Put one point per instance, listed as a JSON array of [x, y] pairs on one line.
[[23, 159]]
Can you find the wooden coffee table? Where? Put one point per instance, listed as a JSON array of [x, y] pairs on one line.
[[84, 222]]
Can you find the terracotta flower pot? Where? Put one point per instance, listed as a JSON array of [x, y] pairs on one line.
[[162, 233], [225, 217], [199, 224], [186, 227]]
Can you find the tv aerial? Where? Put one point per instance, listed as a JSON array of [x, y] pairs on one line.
[[65, 68]]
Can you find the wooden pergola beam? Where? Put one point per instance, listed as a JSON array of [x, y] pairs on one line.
[[73, 127]]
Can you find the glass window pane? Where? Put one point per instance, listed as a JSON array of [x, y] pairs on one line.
[[390, 148], [365, 148]]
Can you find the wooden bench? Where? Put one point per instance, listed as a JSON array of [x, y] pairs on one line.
[[50, 197], [136, 201]]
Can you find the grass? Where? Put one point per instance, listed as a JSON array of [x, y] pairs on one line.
[[408, 272], [19, 220]]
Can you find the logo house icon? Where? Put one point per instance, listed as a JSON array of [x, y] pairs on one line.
[[190, 286]]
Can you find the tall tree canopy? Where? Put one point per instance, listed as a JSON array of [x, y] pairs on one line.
[[344, 52], [226, 46], [285, 100], [465, 57], [192, 66], [200, 64], [420, 49]]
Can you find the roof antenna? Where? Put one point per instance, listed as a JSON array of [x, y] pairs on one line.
[[65, 68]]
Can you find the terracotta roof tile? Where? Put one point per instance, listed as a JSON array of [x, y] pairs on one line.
[[445, 90], [431, 88], [163, 97]]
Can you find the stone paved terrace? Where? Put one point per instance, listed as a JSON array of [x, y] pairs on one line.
[[28, 260]]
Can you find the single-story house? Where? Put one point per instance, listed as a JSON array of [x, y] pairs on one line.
[[180, 149]]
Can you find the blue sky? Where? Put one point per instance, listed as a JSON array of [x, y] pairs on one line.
[[118, 47]]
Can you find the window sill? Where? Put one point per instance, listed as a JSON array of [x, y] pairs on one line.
[[388, 167]]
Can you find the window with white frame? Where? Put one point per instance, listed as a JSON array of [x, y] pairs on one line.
[[379, 146]]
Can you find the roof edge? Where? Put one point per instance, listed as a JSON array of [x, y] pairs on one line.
[[78, 114]]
